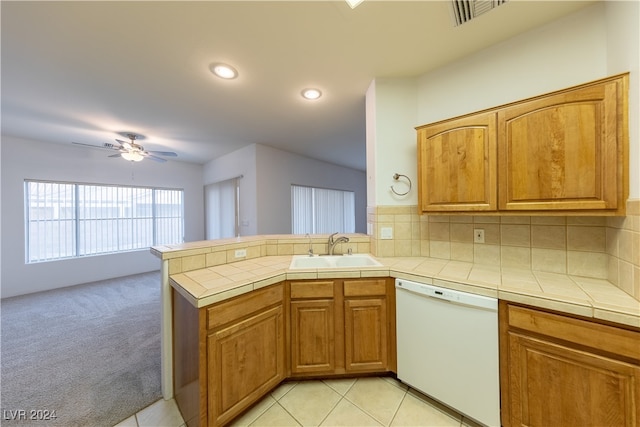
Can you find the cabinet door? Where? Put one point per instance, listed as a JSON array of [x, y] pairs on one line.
[[554, 385], [312, 336], [564, 151], [365, 334], [244, 361], [457, 165]]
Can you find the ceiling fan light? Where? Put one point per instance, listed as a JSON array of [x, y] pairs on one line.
[[354, 3], [224, 71], [132, 156]]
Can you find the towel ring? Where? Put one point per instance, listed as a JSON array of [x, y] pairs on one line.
[[396, 177]]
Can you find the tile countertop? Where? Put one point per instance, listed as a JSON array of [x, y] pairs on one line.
[[583, 296]]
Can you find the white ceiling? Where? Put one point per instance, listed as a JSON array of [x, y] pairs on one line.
[[88, 71]]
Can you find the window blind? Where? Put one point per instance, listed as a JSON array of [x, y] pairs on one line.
[[65, 220], [321, 210]]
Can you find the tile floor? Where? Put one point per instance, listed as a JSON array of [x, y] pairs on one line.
[[375, 401]]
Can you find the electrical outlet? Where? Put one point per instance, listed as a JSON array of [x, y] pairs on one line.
[[241, 253], [386, 233], [478, 235]]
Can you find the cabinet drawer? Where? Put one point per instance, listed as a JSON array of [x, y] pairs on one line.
[[318, 289], [595, 335], [364, 288], [235, 309]]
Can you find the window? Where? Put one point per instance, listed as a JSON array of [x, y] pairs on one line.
[[320, 210], [66, 220]]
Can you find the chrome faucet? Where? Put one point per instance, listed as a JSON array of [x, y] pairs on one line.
[[310, 251], [333, 242]]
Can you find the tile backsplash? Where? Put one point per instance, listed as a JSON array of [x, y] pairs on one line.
[[599, 247]]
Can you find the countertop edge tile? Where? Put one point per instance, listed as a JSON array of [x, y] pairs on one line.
[[224, 295], [550, 304], [408, 268], [465, 287], [616, 317], [408, 276], [263, 283]]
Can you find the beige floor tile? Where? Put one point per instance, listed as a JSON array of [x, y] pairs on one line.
[[417, 412], [163, 413], [376, 397], [283, 389], [275, 416], [347, 414], [341, 385], [254, 413], [310, 402], [129, 422], [397, 383]]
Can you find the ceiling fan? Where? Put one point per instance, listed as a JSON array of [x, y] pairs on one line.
[[131, 151]]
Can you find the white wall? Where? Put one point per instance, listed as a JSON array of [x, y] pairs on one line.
[[27, 159], [265, 189], [277, 170], [623, 54], [396, 104], [371, 144], [240, 162], [595, 42]]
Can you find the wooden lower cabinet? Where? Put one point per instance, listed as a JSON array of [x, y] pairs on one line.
[[342, 326], [312, 336], [245, 360], [312, 326], [228, 355], [366, 325], [558, 370]]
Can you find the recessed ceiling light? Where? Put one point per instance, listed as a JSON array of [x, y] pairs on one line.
[[354, 3], [311, 93], [223, 71]]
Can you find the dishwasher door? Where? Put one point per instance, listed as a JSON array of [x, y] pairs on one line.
[[447, 343]]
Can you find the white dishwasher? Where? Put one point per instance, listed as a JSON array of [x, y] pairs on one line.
[[448, 347]]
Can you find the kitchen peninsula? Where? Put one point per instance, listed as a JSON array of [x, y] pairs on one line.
[[201, 279]]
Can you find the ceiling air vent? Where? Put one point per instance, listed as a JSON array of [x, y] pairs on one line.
[[465, 10]]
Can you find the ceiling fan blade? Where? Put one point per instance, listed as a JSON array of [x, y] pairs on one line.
[[106, 145], [116, 155], [154, 158], [163, 153]]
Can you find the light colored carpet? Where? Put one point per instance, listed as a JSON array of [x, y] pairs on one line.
[[91, 353]]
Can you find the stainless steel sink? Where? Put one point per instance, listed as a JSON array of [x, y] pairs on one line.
[[334, 261]]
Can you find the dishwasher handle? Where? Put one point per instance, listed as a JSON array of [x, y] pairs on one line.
[[448, 295]]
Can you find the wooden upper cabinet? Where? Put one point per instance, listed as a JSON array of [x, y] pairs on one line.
[[564, 151], [457, 165]]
